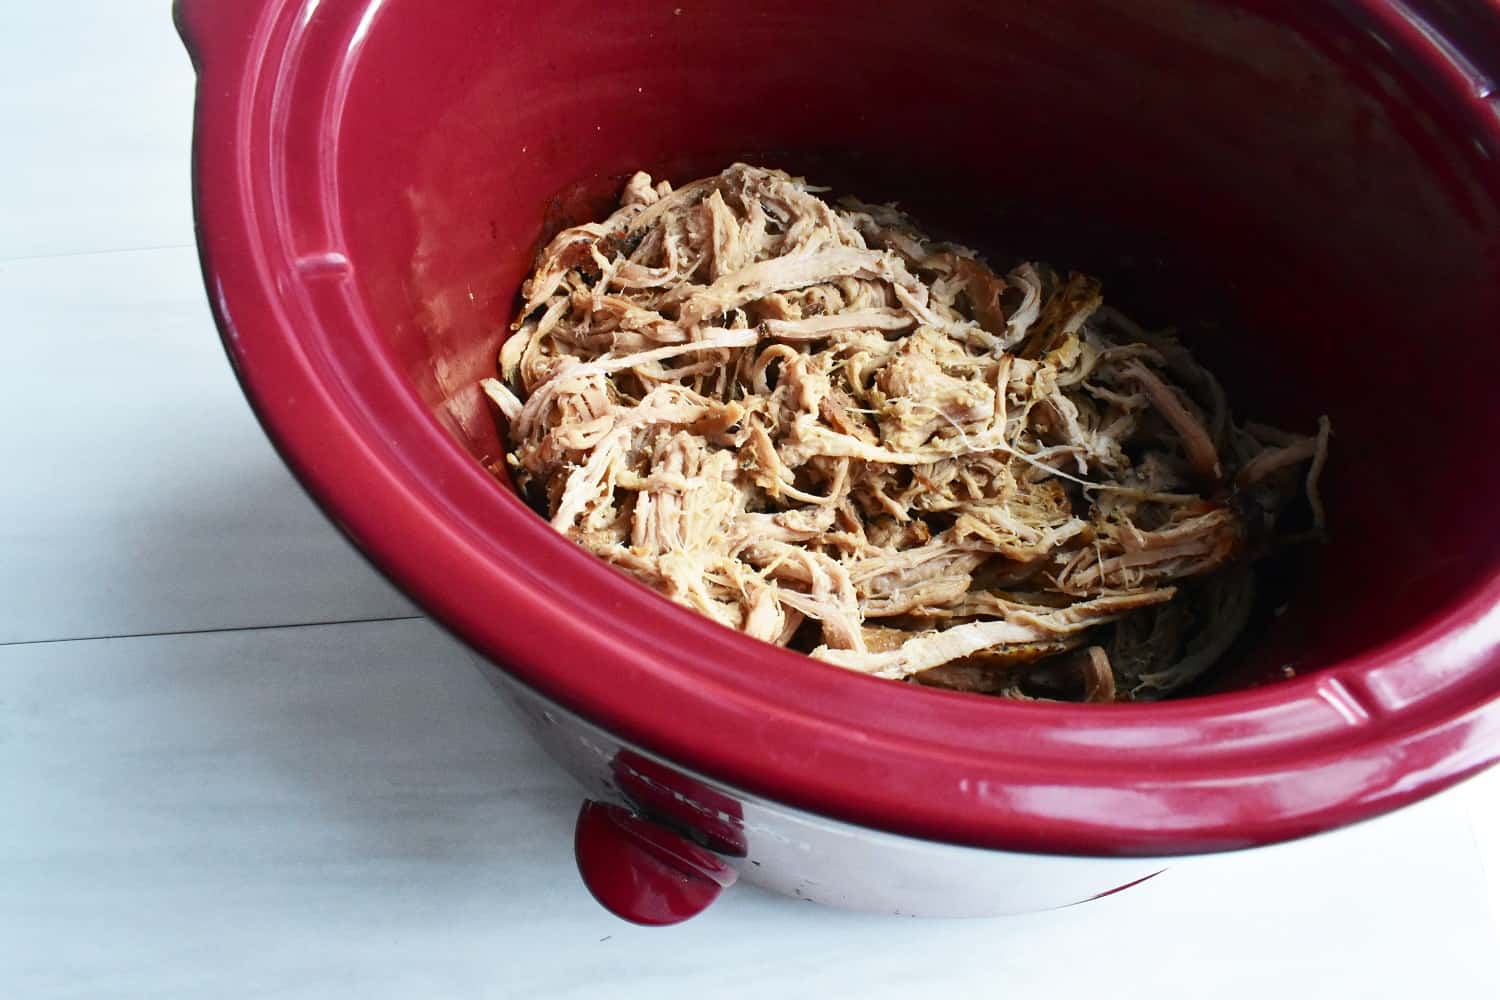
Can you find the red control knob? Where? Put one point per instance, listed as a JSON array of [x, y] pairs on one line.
[[643, 872]]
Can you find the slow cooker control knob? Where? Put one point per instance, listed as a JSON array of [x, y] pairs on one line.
[[643, 872]]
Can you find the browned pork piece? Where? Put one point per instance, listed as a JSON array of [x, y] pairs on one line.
[[816, 425]]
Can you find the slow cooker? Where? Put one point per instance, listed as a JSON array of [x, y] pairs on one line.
[[1316, 181]]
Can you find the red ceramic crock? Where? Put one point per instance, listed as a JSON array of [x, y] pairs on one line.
[[1319, 177]]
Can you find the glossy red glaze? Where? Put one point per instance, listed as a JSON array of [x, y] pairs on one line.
[[642, 872], [372, 177]]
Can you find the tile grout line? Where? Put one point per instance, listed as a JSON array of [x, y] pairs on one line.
[[31, 258], [211, 631]]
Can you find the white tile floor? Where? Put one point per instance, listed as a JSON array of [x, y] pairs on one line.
[[151, 500], [282, 808]]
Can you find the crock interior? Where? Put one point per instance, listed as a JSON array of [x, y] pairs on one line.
[[1289, 193]]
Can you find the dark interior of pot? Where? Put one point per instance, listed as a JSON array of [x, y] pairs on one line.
[[1315, 215]]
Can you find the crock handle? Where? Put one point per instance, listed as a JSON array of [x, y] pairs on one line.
[[642, 872], [216, 31]]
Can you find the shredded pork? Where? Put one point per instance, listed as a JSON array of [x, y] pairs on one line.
[[817, 425]]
